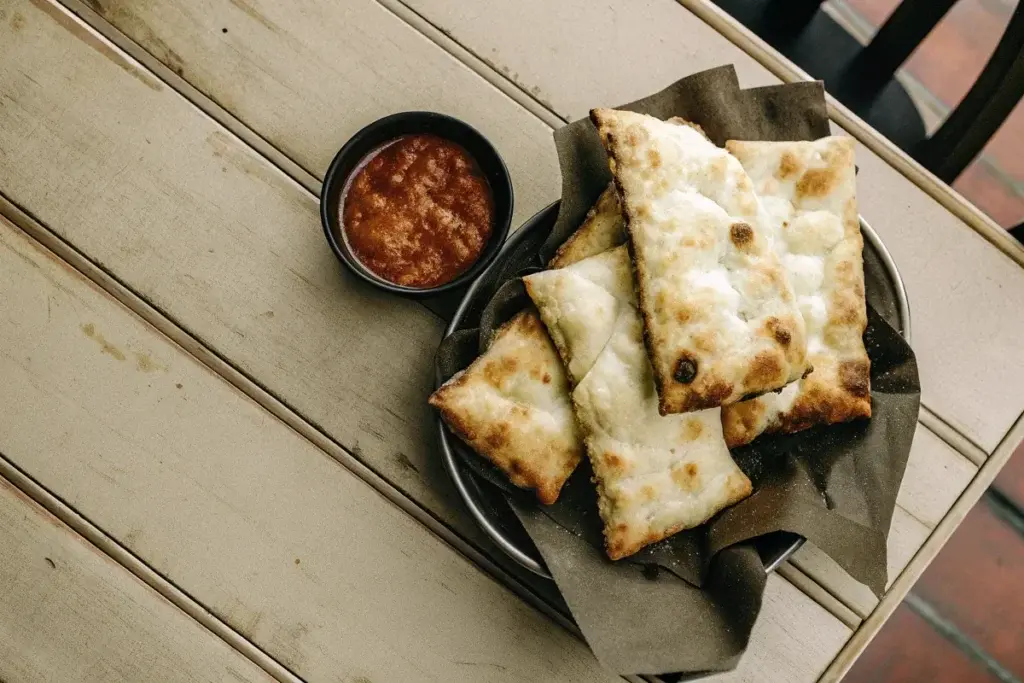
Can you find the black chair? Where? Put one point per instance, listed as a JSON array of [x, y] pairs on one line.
[[862, 77]]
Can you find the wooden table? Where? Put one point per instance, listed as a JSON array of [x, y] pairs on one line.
[[216, 459]]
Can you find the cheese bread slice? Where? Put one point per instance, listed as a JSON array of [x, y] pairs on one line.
[[719, 314], [808, 190], [656, 475], [602, 229], [511, 405]]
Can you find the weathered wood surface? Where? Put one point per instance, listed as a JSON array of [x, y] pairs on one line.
[[274, 537], [792, 640], [306, 75], [182, 212], [207, 488], [222, 499], [211, 234], [279, 346], [936, 476], [70, 613], [531, 69]]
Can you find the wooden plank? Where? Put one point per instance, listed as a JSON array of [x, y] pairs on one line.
[[326, 70], [936, 476], [815, 591], [574, 55], [209, 233], [242, 513], [791, 639], [69, 613]]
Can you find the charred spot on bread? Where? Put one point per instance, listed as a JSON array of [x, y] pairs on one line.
[[779, 331], [741, 234], [686, 370], [855, 377]]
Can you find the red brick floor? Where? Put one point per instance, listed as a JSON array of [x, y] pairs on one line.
[[975, 584], [1010, 482], [964, 619], [909, 650]]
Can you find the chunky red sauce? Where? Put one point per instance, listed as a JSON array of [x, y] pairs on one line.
[[419, 212]]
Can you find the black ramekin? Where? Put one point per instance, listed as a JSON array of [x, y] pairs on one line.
[[416, 123]]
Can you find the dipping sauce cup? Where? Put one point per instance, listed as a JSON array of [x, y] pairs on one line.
[[417, 203]]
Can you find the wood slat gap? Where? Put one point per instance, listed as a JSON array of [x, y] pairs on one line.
[[196, 348], [956, 440], [202, 101], [820, 594], [127, 559], [499, 79]]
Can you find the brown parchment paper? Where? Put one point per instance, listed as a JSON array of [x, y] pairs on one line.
[[688, 604]]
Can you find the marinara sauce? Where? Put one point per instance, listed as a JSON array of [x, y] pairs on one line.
[[418, 212]]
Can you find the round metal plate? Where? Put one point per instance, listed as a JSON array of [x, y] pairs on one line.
[[885, 292]]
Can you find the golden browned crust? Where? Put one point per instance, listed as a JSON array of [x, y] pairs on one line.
[[819, 176], [742, 422], [623, 539], [693, 368], [601, 230], [511, 406], [655, 475]]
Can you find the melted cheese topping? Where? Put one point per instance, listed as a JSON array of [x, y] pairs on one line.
[[511, 405], [657, 475], [713, 292], [808, 190]]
